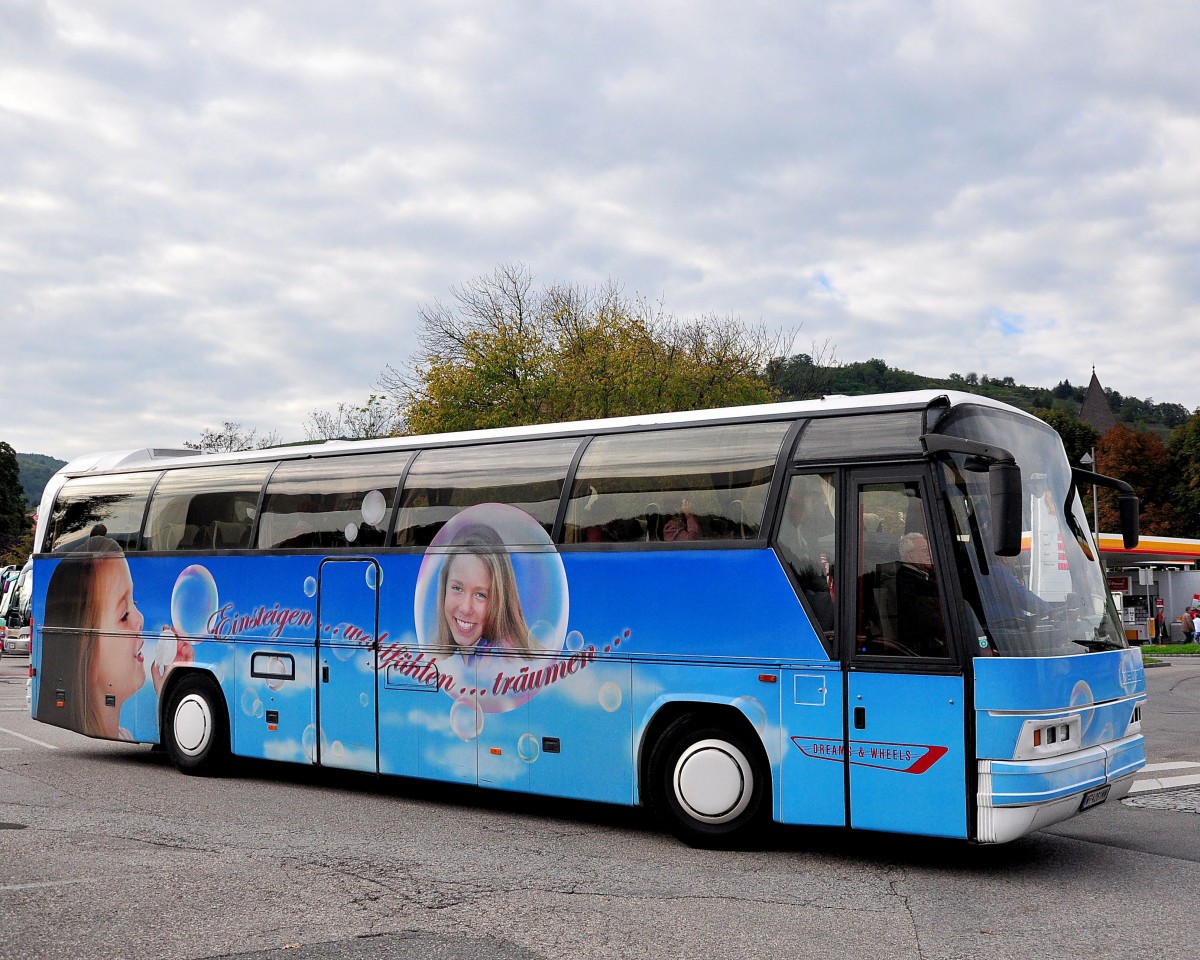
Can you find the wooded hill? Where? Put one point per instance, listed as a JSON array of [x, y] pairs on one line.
[[795, 376]]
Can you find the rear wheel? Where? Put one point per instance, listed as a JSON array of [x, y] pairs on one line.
[[195, 726], [708, 783]]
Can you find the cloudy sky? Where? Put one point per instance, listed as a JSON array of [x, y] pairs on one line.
[[227, 211]]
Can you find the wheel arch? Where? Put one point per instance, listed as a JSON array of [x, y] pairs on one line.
[[720, 713], [172, 682]]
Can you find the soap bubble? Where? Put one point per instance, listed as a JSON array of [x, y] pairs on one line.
[[466, 719], [166, 648], [308, 740], [528, 748], [310, 586], [609, 696], [193, 602], [277, 672], [251, 705], [574, 642], [373, 508]]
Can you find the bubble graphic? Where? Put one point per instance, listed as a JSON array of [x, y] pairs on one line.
[[755, 712], [574, 641], [310, 586], [349, 641], [1081, 696], [528, 748], [308, 740], [276, 668], [374, 576], [544, 634], [609, 696], [1131, 668], [466, 719], [537, 569], [193, 601], [166, 648], [337, 749], [251, 705], [373, 508], [363, 699], [351, 532]]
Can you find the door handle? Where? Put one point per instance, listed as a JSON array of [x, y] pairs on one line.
[[325, 674], [860, 718]]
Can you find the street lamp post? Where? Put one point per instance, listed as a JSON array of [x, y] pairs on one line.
[[1088, 462]]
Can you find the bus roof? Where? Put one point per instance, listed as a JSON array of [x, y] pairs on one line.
[[157, 458]]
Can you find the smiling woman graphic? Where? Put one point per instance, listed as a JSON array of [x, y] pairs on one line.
[[480, 608]]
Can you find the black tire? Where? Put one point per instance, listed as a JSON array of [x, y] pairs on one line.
[[196, 727], [709, 783]]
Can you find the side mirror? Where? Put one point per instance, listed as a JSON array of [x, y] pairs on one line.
[[1007, 502], [1127, 503]]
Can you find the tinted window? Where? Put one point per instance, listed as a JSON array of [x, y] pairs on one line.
[[807, 541], [115, 503], [526, 474], [899, 608], [331, 502], [664, 486], [205, 508], [862, 437]]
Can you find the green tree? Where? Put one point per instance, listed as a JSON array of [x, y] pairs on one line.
[[1078, 437], [378, 417], [1184, 450], [504, 353], [1142, 461], [232, 438], [14, 511]]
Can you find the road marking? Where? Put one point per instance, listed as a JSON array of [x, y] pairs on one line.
[[43, 883], [21, 736], [1172, 765], [1164, 783]]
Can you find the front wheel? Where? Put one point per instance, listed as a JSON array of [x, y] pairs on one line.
[[708, 783], [195, 727]]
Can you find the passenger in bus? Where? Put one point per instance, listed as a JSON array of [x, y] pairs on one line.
[[479, 606], [92, 643], [682, 525], [806, 542], [920, 628]]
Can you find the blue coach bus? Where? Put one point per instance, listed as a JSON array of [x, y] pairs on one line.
[[878, 612]]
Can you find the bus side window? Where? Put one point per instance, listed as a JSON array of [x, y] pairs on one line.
[[527, 474], [111, 505], [205, 508], [330, 502], [674, 486], [807, 540]]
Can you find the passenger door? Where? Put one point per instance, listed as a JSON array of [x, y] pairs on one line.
[[905, 715], [346, 650]]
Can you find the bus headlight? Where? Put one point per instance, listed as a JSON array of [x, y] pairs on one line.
[[1049, 737]]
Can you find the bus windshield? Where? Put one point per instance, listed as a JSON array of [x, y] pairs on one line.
[[1052, 599]]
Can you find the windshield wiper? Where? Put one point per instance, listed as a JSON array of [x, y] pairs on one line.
[[1099, 643]]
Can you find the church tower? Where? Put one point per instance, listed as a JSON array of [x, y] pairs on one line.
[[1096, 412]]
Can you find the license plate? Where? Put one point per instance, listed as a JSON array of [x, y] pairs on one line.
[[1093, 798]]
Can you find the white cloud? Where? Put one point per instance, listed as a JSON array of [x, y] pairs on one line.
[[214, 213]]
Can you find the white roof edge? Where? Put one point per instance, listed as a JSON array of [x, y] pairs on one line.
[[125, 459]]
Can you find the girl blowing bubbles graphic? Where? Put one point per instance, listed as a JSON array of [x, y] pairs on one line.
[[92, 659], [479, 607]]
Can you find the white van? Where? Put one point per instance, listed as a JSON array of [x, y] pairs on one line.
[[15, 610]]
